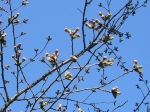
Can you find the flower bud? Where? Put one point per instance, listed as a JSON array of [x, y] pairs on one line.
[[98, 21], [77, 28], [47, 54], [78, 35], [23, 59], [13, 56], [19, 45], [108, 15], [93, 21], [74, 58], [56, 51], [88, 25], [25, 2], [135, 61], [68, 75], [102, 16], [15, 48], [67, 30], [59, 107], [16, 16], [3, 36], [105, 57], [19, 53]]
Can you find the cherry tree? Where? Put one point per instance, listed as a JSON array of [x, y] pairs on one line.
[[81, 69]]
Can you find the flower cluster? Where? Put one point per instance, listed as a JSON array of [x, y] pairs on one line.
[[17, 48], [52, 58], [42, 104], [68, 75], [2, 36], [106, 38], [18, 54], [104, 63], [13, 19], [16, 59], [94, 21], [105, 17], [136, 67], [115, 91], [93, 24], [73, 33]]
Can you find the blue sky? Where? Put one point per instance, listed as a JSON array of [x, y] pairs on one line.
[[50, 18]]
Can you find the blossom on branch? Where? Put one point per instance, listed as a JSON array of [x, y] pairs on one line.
[[52, 58], [106, 38], [59, 107], [105, 17], [80, 110], [93, 24], [2, 36], [136, 67], [73, 33], [104, 63], [68, 75], [115, 91]]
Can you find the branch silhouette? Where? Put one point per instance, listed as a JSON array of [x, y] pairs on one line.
[[64, 85]]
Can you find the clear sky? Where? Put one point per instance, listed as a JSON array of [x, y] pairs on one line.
[[50, 17]]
